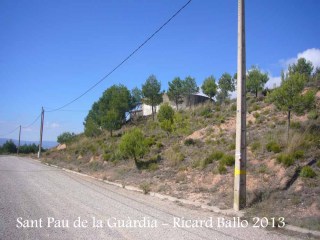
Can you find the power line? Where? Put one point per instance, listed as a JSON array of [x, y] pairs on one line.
[[10, 132], [32, 122], [21, 127], [126, 59], [71, 110]]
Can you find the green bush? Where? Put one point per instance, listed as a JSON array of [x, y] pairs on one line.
[[273, 147], [150, 141], [189, 141], [159, 145], [228, 160], [206, 112], [260, 119], [215, 156], [233, 107], [256, 115], [196, 163], [298, 154], [65, 137], [174, 157], [266, 112], [255, 146], [145, 187], [263, 169], [107, 156], [255, 107], [222, 168], [307, 172], [295, 125], [153, 167], [318, 163], [166, 112], [286, 159], [94, 165], [232, 146], [205, 162], [313, 114], [132, 144], [8, 147]]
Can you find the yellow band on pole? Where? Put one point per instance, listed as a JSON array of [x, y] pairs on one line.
[[239, 172]]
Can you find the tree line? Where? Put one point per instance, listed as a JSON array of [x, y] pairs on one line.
[[109, 112], [10, 147]]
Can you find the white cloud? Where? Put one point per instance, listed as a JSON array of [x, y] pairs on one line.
[[273, 82], [55, 125], [28, 129], [312, 55], [52, 125]]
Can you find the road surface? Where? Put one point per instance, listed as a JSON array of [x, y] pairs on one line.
[[42, 202]]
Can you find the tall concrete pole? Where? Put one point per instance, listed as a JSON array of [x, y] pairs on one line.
[[18, 150], [41, 132], [240, 154]]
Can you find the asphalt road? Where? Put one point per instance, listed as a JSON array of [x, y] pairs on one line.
[[42, 202]]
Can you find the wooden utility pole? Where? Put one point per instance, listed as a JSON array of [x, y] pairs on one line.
[[240, 154], [41, 132], [18, 150]]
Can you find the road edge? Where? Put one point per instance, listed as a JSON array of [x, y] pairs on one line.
[[227, 212]]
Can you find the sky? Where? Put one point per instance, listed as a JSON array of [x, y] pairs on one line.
[[53, 51]]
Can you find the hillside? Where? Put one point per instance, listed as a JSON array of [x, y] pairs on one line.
[[195, 161]]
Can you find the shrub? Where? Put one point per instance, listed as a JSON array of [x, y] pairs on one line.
[[255, 146], [256, 115], [217, 155], [295, 125], [307, 172], [132, 144], [165, 117], [262, 169], [286, 159], [212, 157], [159, 145], [94, 165], [266, 112], [205, 162], [174, 157], [150, 141], [145, 187], [222, 168], [232, 146], [196, 163], [206, 112], [189, 141], [228, 160], [65, 137], [318, 163], [9, 147], [298, 154], [153, 167], [273, 147], [260, 119], [107, 156], [312, 115], [255, 107], [233, 107], [166, 112]]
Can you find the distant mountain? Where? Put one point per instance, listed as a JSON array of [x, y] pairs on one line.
[[45, 144]]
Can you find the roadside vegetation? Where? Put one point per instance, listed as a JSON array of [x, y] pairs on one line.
[[9, 147], [188, 152]]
